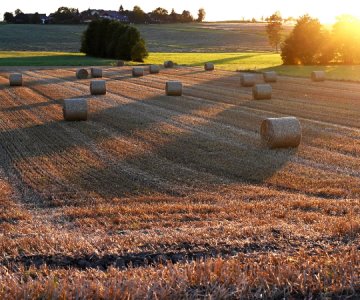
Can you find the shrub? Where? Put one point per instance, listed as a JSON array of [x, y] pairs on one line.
[[111, 39]]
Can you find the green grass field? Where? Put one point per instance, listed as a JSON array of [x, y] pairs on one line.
[[45, 58], [255, 61], [335, 72], [225, 61]]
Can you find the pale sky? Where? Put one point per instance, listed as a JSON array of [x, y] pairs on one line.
[[215, 10]]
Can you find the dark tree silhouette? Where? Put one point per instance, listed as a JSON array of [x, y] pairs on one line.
[[9, 17], [139, 15], [201, 15], [160, 14], [35, 19], [174, 16], [66, 15], [18, 12], [186, 17]]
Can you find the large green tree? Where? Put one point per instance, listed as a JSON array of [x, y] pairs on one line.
[[307, 44], [111, 39]]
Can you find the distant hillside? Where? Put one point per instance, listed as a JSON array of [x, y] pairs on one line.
[[204, 37]]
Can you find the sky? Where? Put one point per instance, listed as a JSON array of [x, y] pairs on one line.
[[326, 11]]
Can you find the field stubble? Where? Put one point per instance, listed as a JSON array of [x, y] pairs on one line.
[[177, 193]]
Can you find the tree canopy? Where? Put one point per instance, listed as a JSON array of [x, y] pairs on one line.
[[201, 15], [273, 29], [111, 39], [346, 38], [311, 43]]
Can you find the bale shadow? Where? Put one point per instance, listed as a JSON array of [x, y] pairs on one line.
[[224, 60], [200, 156], [35, 82], [30, 106], [53, 60]]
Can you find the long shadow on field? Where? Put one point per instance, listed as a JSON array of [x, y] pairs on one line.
[[53, 60], [53, 79], [30, 106], [120, 74], [34, 82], [224, 60], [223, 148], [21, 147], [31, 82], [183, 152]]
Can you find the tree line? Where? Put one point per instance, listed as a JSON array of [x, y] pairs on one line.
[[161, 15], [67, 15]]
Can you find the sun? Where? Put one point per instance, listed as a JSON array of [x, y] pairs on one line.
[[328, 11]]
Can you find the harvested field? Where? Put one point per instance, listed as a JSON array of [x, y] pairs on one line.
[[160, 197]]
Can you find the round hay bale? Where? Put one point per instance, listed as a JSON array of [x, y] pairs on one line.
[[209, 67], [138, 71], [15, 79], [169, 64], [154, 69], [280, 132], [82, 74], [120, 63], [262, 92], [98, 87], [96, 72], [75, 109], [247, 80], [318, 76], [173, 88], [270, 76]]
